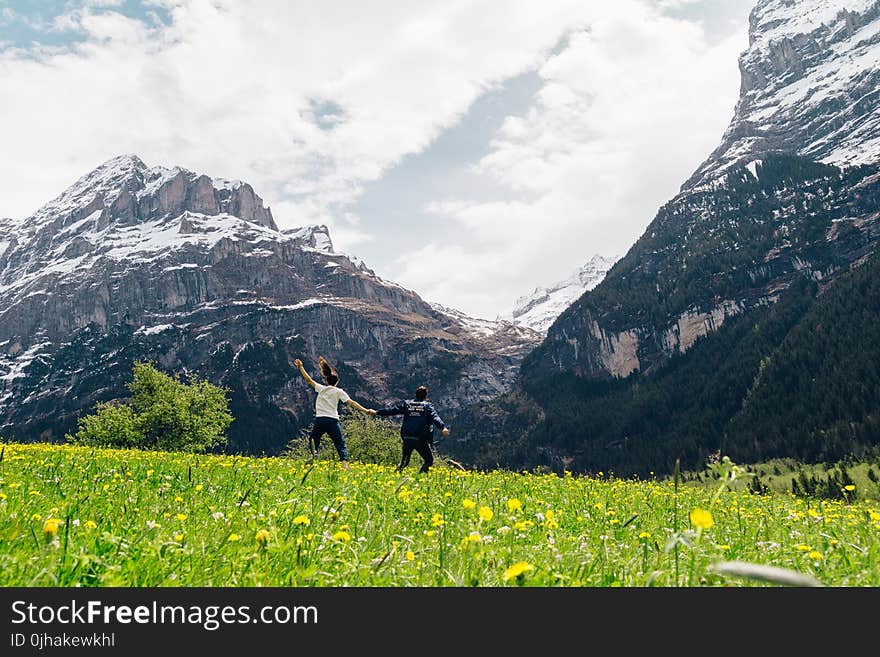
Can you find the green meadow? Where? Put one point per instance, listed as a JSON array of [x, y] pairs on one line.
[[82, 516]]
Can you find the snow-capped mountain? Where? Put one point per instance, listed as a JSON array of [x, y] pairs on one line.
[[773, 240], [540, 309], [136, 262], [810, 86], [765, 209]]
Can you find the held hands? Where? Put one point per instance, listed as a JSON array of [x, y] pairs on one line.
[[445, 433], [298, 363]]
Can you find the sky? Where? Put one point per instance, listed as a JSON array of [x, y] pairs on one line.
[[466, 152]]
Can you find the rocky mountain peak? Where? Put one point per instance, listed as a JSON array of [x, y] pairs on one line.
[[540, 309], [809, 86], [125, 191]]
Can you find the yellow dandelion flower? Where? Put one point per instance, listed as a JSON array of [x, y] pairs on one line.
[[468, 504], [814, 555], [50, 527], [485, 513], [149, 472], [849, 487], [802, 548], [302, 520], [517, 570], [514, 504], [701, 518], [262, 536], [644, 535], [523, 525], [178, 538], [429, 533], [233, 538], [342, 535], [36, 516], [178, 499], [91, 524], [410, 555], [2, 496], [181, 516], [199, 488], [437, 520]]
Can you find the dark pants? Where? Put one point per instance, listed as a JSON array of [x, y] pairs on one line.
[[330, 426], [421, 446]]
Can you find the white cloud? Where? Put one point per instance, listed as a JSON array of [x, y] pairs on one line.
[[626, 113], [230, 86]]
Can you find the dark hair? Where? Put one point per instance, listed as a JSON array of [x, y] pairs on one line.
[[421, 393], [329, 374]]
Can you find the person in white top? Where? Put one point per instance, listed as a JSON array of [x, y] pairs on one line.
[[326, 409]]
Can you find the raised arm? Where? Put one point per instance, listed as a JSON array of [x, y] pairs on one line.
[[353, 404], [305, 374]]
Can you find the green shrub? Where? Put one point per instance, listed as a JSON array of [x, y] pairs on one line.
[[164, 413], [113, 425]]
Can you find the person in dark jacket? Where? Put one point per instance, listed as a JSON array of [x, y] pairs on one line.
[[417, 430]]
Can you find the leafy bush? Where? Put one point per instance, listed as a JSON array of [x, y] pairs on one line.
[[369, 440], [164, 413]]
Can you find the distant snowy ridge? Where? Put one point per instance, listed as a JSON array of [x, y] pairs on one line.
[[540, 309]]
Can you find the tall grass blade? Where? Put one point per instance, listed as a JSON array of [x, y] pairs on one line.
[[761, 573]]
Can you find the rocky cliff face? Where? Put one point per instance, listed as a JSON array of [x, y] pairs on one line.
[[540, 309], [714, 253], [135, 262], [790, 193], [810, 86]]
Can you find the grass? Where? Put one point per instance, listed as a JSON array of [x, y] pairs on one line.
[[97, 517], [776, 476]]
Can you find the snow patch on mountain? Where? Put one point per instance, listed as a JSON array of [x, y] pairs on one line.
[[476, 325], [313, 237], [540, 309]]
